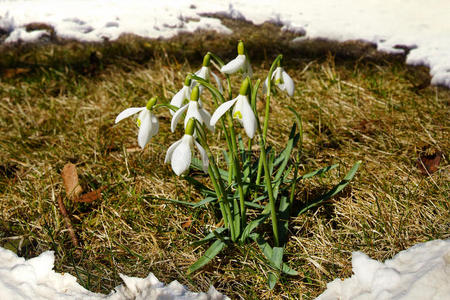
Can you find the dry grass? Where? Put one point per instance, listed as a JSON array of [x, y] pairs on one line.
[[356, 105]]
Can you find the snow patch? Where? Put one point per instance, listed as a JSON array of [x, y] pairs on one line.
[[35, 279], [421, 272], [422, 25]]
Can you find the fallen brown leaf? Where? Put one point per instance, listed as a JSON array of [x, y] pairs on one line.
[[70, 178], [429, 161], [10, 73], [187, 224], [91, 196]]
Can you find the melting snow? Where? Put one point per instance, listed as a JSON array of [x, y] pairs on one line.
[[422, 26], [35, 279], [419, 273]]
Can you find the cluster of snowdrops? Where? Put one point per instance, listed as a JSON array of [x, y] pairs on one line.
[[266, 184]]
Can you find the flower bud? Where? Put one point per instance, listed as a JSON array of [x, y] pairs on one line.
[[190, 126], [206, 60], [187, 81], [195, 93], [151, 103], [241, 48], [244, 86]]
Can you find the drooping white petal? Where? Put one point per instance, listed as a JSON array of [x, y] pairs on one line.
[[176, 117], [266, 82], [288, 83], [170, 151], [182, 155], [128, 112], [203, 155], [155, 124], [248, 119], [234, 65], [193, 112], [145, 129], [217, 79], [178, 98], [277, 74], [206, 116], [237, 109], [202, 73], [221, 110]]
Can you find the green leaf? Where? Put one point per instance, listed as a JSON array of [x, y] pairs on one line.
[[214, 91], [277, 257], [172, 200], [268, 252], [205, 201], [217, 59], [285, 155], [283, 218], [254, 94], [318, 172], [339, 187], [298, 120], [210, 236], [236, 216], [212, 251], [272, 280], [251, 226]]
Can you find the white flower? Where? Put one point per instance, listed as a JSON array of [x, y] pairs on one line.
[[205, 73], [282, 80], [241, 111], [194, 110], [147, 122], [178, 98], [240, 63], [180, 154]]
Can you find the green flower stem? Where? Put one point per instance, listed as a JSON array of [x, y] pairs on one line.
[[237, 170], [273, 212], [266, 113], [214, 174]]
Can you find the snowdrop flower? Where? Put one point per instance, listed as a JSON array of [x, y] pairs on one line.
[[147, 122], [241, 62], [180, 153], [282, 80], [184, 93], [241, 111], [194, 110], [205, 73]]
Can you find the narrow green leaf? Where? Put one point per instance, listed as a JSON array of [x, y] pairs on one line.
[[172, 200], [217, 59], [212, 251], [205, 201], [339, 187], [318, 172], [210, 236], [214, 91], [283, 218], [268, 252], [252, 226]]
